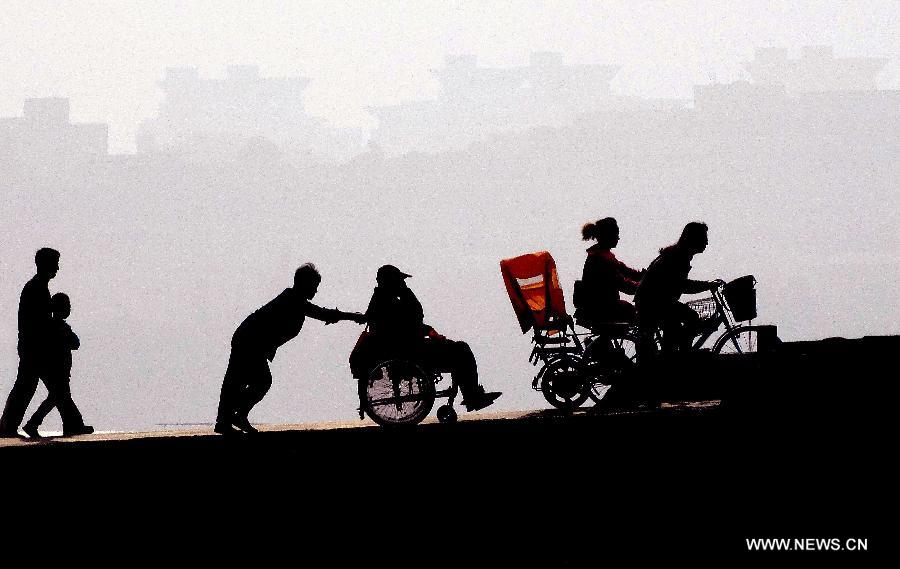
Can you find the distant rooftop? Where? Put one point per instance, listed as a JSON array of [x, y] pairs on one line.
[[816, 70]]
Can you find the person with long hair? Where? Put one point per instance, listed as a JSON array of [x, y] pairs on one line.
[[658, 294], [597, 296]]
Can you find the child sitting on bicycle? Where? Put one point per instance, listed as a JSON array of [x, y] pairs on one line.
[[657, 296]]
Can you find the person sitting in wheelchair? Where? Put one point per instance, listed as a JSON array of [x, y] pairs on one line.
[[596, 295], [395, 319], [657, 296]]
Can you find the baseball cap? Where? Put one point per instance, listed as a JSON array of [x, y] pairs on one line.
[[387, 271]]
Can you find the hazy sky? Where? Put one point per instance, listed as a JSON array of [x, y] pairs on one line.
[[108, 56]]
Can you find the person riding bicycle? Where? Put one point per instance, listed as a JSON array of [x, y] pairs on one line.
[[395, 320], [597, 296], [666, 279]]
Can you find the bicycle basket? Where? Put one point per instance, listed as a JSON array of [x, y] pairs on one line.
[[704, 307], [741, 297]]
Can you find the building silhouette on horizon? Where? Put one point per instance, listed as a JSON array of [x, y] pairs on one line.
[[816, 70], [240, 114], [475, 102], [816, 92], [44, 139]]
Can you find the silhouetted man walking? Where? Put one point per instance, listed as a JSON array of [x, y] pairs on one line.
[[253, 346], [34, 332]]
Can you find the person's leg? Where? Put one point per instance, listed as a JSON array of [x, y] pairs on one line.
[[259, 381], [671, 334], [73, 422], [646, 348], [602, 346], [457, 358], [43, 410], [625, 312], [689, 325], [677, 324], [20, 395], [232, 385]]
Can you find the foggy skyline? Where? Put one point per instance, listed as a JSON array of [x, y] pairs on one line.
[[164, 256], [107, 58]]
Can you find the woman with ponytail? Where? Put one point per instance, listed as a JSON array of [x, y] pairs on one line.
[[604, 277]]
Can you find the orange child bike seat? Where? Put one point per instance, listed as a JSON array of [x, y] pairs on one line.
[[533, 287]]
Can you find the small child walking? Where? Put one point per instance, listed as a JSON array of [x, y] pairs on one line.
[[61, 341]]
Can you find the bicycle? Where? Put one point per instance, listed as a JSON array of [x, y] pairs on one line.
[[729, 304]]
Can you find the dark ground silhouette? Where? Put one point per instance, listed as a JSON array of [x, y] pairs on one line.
[[793, 450]]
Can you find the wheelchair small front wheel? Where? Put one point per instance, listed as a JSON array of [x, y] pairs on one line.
[[446, 414]]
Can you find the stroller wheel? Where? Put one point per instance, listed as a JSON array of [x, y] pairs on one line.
[[446, 414]]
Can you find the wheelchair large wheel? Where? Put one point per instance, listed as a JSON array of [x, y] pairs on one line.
[[607, 364], [396, 393], [562, 383]]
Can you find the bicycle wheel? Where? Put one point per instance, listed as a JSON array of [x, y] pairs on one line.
[[740, 340], [562, 383], [397, 392], [608, 362]]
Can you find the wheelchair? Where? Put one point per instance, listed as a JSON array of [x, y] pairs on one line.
[[397, 390]]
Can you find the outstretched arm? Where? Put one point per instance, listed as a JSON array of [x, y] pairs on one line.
[[627, 284], [332, 315], [630, 274], [693, 287]]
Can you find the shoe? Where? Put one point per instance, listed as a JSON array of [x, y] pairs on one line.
[[9, 435], [483, 400], [82, 430], [243, 424], [227, 430], [32, 432]]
